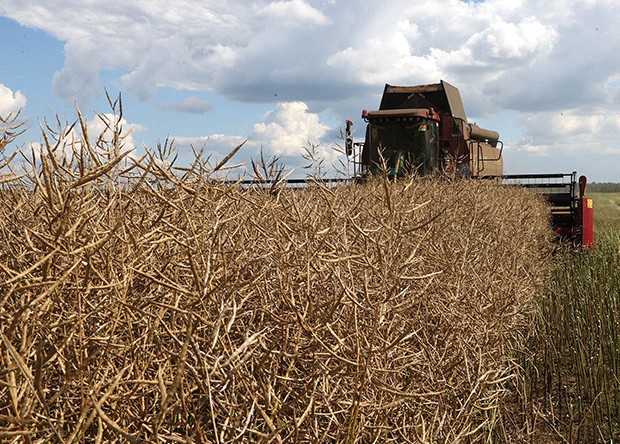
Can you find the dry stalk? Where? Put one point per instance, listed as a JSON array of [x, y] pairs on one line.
[[148, 303]]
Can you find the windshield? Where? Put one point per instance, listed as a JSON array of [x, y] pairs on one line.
[[407, 144]]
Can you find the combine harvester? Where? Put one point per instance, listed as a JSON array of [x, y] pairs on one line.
[[424, 130]]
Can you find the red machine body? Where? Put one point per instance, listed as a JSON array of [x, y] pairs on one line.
[[587, 223]]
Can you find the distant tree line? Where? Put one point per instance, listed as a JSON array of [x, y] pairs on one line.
[[604, 187]]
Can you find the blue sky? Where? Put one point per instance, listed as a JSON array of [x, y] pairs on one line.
[[544, 74]]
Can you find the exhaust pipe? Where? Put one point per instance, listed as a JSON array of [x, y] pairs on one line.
[[477, 133]]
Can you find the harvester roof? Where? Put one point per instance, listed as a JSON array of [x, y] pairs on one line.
[[442, 96], [426, 113]]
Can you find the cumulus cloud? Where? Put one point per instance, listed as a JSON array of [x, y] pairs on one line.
[[292, 13], [500, 46], [574, 131], [316, 50], [284, 132], [79, 80], [102, 128], [288, 128], [184, 45], [10, 102], [67, 142], [567, 140], [523, 55], [385, 58]]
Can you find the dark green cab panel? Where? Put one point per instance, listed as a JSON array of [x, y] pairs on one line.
[[407, 145]]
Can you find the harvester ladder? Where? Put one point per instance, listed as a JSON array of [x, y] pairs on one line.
[[480, 159]]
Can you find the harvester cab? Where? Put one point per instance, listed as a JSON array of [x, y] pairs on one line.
[[424, 129]]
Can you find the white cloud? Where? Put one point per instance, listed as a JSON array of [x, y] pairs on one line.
[[66, 144], [500, 46], [292, 13], [535, 58], [103, 128], [10, 102], [568, 140], [380, 60], [311, 50], [574, 128], [284, 132], [288, 128], [434, 43]]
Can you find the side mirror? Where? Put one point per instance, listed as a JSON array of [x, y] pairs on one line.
[[348, 144], [349, 140]]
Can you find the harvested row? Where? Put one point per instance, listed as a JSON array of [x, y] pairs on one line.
[[161, 307]]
